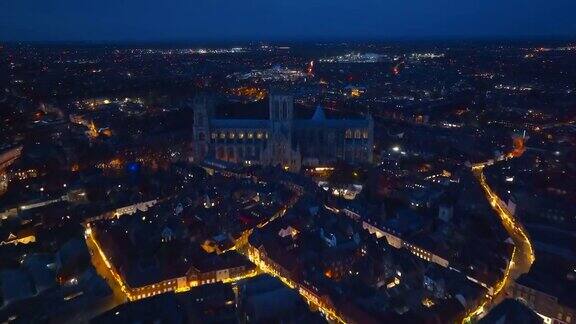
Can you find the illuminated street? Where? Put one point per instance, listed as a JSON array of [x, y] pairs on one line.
[[104, 269], [330, 313], [523, 255], [264, 267]]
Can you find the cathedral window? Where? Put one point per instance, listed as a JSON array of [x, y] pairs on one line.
[[250, 135], [259, 135], [365, 134], [222, 135], [231, 135], [214, 135], [284, 110], [276, 110], [348, 133], [241, 135], [220, 155], [200, 119], [357, 134]]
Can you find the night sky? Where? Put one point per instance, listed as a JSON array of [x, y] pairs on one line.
[[230, 20]]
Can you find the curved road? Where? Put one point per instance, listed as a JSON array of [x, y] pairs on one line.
[[523, 255]]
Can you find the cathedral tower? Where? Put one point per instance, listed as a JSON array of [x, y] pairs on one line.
[[281, 116], [203, 106]]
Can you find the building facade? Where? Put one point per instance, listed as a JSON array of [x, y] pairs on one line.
[[548, 306], [7, 157], [281, 139]]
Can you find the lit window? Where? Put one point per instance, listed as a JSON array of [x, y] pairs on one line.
[[240, 135], [357, 134], [214, 135], [231, 135], [348, 133], [259, 135], [222, 135], [250, 135]]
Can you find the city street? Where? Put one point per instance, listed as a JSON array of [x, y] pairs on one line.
[[523, 255]]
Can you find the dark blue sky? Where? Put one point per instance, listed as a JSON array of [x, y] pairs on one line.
[[229, 20]]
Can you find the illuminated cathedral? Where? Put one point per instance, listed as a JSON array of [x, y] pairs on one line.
[[281, 140]]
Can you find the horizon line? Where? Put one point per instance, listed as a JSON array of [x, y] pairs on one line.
[[248, 40]]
